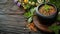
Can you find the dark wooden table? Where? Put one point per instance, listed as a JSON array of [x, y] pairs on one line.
[[12, 20]]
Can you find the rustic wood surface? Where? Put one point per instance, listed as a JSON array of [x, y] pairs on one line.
[[12, 20]]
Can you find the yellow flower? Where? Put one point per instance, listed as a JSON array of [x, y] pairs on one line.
[[33, 3], [25, 1], [30, 2]]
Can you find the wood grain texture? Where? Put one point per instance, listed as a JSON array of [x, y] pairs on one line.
[[12, 20], [13, 23]]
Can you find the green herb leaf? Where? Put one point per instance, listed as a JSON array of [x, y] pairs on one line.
[[27, 6], [47, 7], [28, 14], [32, 10], [55, 28], [30, 20]]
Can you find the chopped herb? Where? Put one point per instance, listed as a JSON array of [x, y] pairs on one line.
[[46, 7]]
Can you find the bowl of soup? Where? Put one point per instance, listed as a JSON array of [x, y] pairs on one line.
[[46, 13]]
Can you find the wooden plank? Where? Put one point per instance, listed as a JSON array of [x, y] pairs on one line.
[[14, 10], [12, 19], [10, 8], [13, 23]]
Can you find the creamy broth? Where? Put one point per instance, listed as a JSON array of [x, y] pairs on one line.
[[51, 11]]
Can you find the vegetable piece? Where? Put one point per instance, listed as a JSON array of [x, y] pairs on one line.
[[30, 20], [32, 27]]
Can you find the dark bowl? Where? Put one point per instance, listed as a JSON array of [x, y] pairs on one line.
[[46, 19]]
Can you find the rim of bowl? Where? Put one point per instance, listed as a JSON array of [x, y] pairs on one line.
[[37, 9]]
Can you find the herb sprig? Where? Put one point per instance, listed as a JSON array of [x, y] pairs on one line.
[[46, 7], [29, 15]]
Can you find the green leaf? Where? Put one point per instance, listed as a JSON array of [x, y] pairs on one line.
[[27, 6], [56, 3], [47, 7], [55, 28], [58, 17], [28, 14], [30, 20], [32, 10]]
